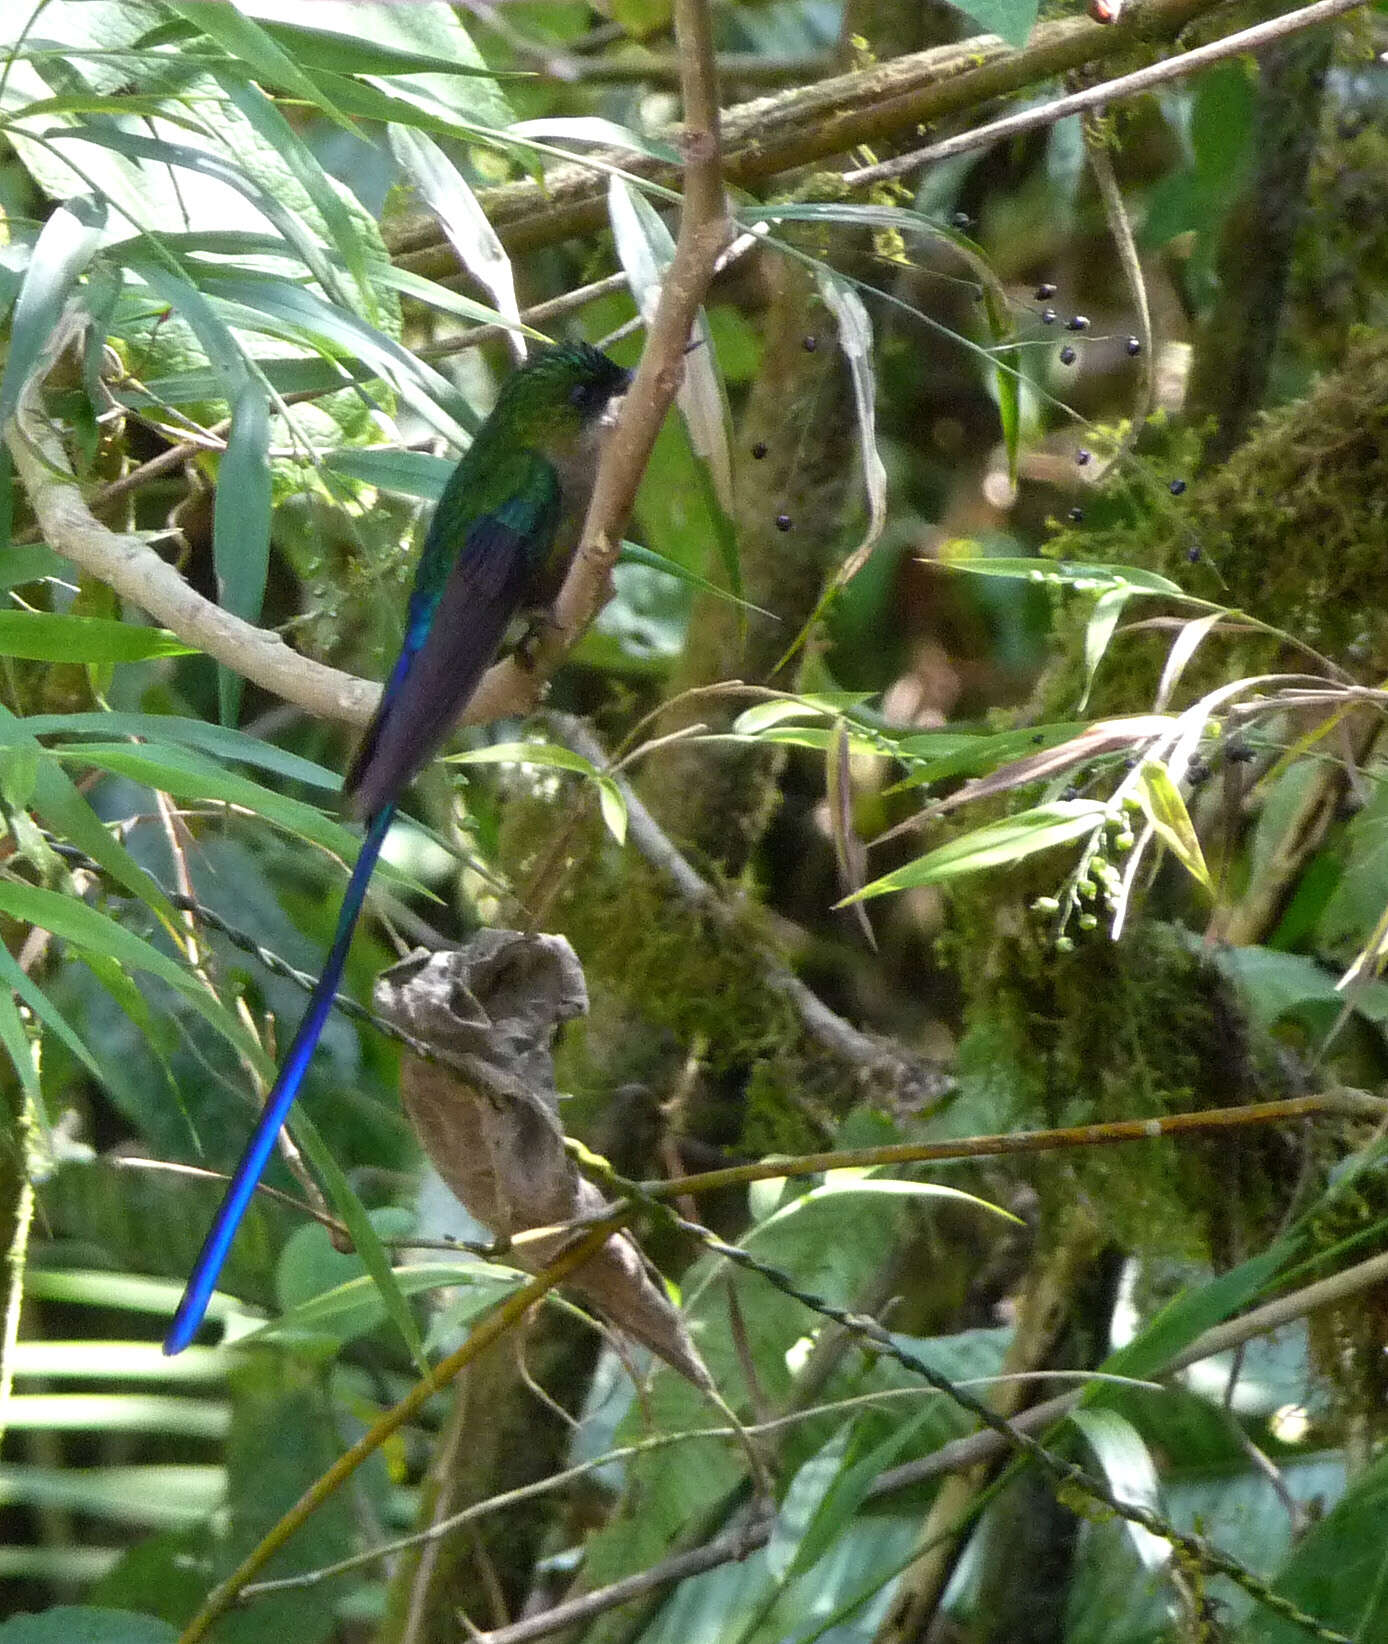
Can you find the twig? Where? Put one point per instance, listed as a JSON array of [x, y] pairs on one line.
[[135, 571], [703, 233], [736, 1544], [770, 135], [483, 1336], [874, 1058], [1222, 1338], [1341, 1102], [1121, 228], [1094, 97]]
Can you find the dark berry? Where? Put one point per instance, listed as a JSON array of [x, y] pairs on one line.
[[1072, 792], [1068, 355], [783, 522], [1082, 457], [1177, 487], [961, 219], [809, 344], [1075, 515], [759, 450], [1192, 556], [1239, 753], [1077, 322], [1044, 290], [1048, 316], [1134, 346], [1199, 772]]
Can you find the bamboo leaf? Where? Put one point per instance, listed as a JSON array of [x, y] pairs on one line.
[[446, 192], [54, 636], [71, 920], [66, 244], [996, 845], [248, 43], [241, 525], [1069, 573], [1164, 808], [1103, 619]]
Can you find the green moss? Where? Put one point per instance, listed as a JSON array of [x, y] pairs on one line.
[[664, 980], [1289, 529], [1108, 1032]]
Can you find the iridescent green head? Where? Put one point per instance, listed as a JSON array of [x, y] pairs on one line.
[[560, 393]]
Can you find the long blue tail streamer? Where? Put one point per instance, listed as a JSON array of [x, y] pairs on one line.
[[212, 1257]]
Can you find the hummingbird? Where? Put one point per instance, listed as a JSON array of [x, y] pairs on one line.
[[498, 546]]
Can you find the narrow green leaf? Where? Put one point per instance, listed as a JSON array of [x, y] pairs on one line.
[[202, 162], [839, 1183], [645, 248], [855, 342], [1103, 619], [14, 1039], [214, 335], [1164, 808], [66, 244], [447, 193], [1187, 642], [996, 845], [1194, 1311], [187, 775], [250, 44], [850, 1489], [352, 1308], [52, 636], [592, 128], [364, 1236], [633, 553], [63, 809], [24, 987], [546, 754], [1071, 573], [612, 803], [807, 705], [219, 740], [241, 525], [407, 473], [321, 48], [71, 920], [302, 316], [338, 222]]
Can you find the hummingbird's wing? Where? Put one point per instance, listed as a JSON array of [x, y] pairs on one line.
[[452, 633]]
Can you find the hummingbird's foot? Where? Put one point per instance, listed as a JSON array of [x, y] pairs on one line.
[[528, 645]]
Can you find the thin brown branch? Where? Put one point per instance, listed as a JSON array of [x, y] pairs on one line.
[[1222, 1338], [704, 230], [135, 571], [483, 1336], [1095, 97], [1121, 229], [770, 135], [875, 1059], [1159, 1127]]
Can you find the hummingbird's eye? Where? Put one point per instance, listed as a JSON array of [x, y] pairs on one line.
[[580, 394]]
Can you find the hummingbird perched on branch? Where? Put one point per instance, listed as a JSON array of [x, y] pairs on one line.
[[498, 545]]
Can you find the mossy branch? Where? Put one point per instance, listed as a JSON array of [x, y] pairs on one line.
[[771, 135]]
